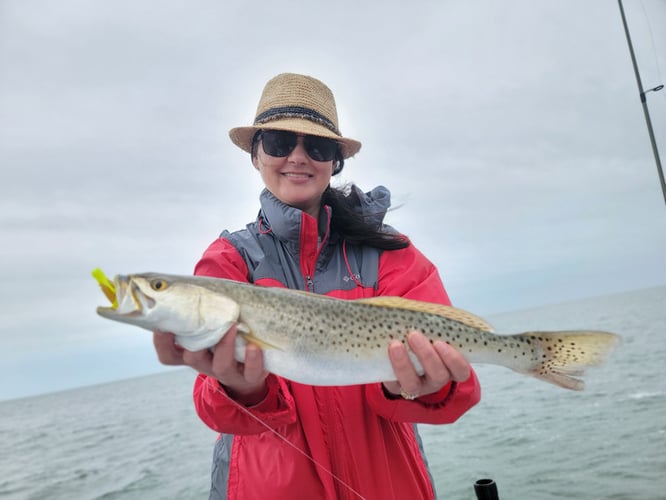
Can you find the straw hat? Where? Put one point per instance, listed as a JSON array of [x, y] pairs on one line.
[[298, 103]]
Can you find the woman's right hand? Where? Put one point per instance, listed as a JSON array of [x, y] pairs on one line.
[[243, 382]]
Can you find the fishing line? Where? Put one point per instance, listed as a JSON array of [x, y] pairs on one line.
[[654, 48], [219, 390]]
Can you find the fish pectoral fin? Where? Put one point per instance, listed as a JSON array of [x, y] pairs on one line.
[[449, 312], [246, 334]]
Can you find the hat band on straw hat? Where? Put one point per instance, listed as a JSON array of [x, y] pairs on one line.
[[295, 112]]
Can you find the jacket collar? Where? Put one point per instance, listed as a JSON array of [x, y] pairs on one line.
[[285, 222]]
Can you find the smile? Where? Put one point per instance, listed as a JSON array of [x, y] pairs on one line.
[[296, 175]]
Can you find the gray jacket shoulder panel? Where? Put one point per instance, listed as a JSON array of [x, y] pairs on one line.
[[266, 257]]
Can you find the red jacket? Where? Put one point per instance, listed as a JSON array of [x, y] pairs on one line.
[[328, 441]]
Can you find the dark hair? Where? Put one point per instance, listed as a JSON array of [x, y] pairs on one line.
[[356, 227]]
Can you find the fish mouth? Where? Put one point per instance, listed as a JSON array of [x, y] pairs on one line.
[[126, 297]]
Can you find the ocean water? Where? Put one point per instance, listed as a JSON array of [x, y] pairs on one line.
[[132, 439], [540, 442], [140, 438]]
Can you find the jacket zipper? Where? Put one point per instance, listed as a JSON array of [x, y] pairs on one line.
[[309, 283]]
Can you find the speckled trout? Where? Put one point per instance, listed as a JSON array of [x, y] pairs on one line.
[[319, 340]]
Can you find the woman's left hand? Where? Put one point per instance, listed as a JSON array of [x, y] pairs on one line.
[[441, 362]]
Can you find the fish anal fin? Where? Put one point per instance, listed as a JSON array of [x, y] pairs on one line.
[[449, 312]]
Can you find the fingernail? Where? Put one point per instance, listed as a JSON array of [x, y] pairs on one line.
[[441, 344], [251, 352], [397, 349], [418, 339]]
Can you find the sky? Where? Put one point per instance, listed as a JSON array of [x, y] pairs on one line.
[[510, 134]]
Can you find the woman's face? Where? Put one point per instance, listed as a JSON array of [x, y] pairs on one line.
[[295, 179]]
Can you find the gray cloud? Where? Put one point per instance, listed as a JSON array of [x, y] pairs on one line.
[[510, 134]]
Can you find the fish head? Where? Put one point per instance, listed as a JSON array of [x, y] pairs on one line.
[[167, 303]]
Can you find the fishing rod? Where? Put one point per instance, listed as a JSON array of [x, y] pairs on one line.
[[643, 93]]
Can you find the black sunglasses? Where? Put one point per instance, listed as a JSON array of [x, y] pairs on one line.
[[280, 143]]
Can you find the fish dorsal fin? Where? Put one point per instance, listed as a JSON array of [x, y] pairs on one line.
[[449, 312]]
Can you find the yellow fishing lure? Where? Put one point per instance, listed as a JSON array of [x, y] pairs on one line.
[[106, 285]]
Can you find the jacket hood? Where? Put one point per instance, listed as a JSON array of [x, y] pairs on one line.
[[374, 204]]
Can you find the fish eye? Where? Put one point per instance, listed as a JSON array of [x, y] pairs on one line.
[[158, 284]]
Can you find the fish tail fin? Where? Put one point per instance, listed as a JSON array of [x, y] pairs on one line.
[[560, 357]]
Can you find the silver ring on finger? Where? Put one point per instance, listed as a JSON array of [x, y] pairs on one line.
[[408, 396]]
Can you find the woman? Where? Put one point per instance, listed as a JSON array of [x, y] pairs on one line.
[[280, 439]]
